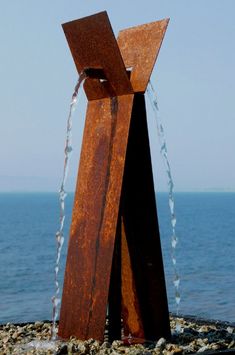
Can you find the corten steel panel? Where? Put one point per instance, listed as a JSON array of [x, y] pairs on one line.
[[94, 220], [114, 301], [142, 248], [132, 319], [93, 45], [139, 47]]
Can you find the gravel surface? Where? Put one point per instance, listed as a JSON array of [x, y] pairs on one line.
[[194, 336]]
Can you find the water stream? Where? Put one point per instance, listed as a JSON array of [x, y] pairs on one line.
[[53, 343], [62, 195], [174, 240]]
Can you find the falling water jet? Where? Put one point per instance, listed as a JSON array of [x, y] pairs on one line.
[[174, 240], [53, 343], [62, 195]]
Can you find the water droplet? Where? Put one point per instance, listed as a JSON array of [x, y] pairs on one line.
[[163, 148], [176, 281], [62, 206], [74, 100], [171, 204], [178, 327], [55, 301], [174, 242], [62, 194], [161, 128], [62, 219], [59, 236], [68, 149], [177, 298], [173, 222]]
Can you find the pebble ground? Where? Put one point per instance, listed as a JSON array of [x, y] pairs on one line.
[[194, 337]]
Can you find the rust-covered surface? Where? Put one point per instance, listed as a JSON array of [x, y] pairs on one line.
[[132, 320], [114, 253], [94, 219], [115, 294], [93, 45], [139, 48], [145, 308]]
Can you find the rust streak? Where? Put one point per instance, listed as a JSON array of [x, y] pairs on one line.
[[113, 109]]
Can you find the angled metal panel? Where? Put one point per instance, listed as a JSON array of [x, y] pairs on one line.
[[139, 47], [94, 219], [93, 45]]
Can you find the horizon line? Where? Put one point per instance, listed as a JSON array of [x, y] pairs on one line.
[[156, 191]]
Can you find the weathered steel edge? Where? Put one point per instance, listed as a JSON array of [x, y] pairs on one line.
[[147, 40], [112, 166]]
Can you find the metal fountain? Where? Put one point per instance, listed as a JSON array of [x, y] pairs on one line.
[[114, 258]]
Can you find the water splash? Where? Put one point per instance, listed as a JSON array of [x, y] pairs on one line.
[[62, 195], [174, 240], [41, 345], [51, 346]]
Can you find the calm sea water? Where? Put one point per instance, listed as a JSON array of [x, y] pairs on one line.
[[205, 253]]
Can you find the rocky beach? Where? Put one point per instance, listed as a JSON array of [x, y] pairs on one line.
[[194, 336]]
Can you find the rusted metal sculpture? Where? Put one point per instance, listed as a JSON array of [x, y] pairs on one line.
[[114, 253]]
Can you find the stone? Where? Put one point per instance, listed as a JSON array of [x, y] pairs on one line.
[[195, 338], [231, 345], [204, 348], [230, 330], [105, 345], [5, 339], [63, 350], [161, 343], [203, 329]]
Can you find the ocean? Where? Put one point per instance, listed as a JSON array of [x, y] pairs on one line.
[[205, 253]]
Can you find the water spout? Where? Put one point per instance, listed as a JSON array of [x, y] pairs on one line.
[[174, 240], [62, 195]]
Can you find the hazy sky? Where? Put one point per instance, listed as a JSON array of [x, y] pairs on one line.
[[194, 77]]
